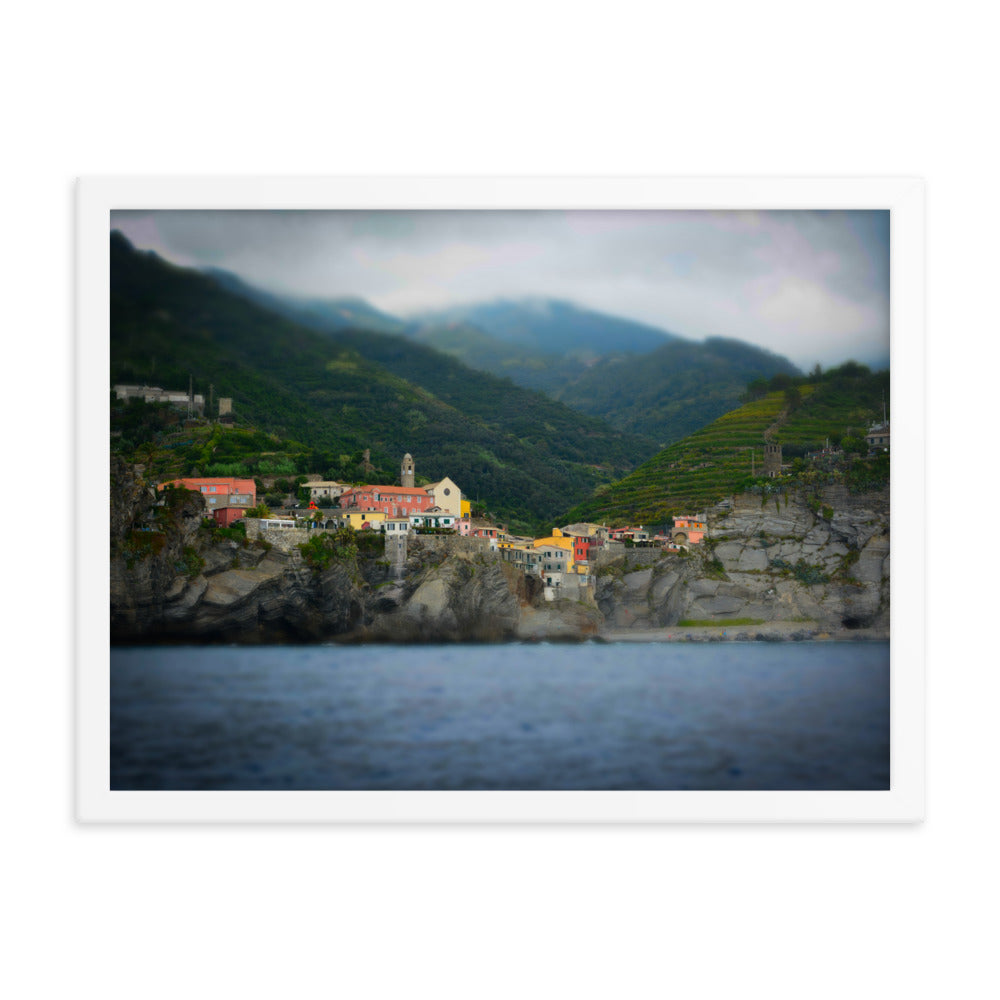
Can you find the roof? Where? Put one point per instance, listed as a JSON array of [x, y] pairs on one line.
[[238, 485], [388, 489], [583, 528]]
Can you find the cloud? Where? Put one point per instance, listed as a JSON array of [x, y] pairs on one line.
[[813, 286]]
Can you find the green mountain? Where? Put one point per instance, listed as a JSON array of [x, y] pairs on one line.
[[524, 455], [672, 391], [640, 379], [541, 344], [523, 365], [549, 326], [325, 315], [720, 459]]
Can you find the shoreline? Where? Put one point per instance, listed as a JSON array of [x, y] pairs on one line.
[[768, 632]]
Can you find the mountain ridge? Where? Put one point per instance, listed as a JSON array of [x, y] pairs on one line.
[[342, 392], [641, 379]]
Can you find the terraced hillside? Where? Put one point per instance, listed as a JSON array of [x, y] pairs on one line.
[[844, 404], [718, 460]]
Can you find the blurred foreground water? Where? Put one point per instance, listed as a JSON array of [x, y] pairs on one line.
[[781, 716]]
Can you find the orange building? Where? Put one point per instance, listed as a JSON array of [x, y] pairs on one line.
[[222, 491], [688, 530]]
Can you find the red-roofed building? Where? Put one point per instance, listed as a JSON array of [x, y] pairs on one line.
[[221, 491], [394, 501]]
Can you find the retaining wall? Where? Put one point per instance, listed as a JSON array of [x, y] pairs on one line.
[[283, 539]]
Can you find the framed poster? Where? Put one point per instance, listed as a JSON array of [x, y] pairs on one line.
[[500, 500]]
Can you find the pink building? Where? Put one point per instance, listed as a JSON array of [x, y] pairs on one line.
[[394, 501]]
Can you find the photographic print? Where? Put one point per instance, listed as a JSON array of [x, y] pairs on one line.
[[591, 501]]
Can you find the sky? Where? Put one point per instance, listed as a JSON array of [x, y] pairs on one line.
[[810, 285]]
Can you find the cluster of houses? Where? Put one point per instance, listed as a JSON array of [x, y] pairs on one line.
[[571, 552], [395, 508], [568, 554]]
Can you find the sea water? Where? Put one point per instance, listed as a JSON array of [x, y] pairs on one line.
[[734, 715]]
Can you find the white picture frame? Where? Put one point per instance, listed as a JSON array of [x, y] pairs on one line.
[[903, 802]]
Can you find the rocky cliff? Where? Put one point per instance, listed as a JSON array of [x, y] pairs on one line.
[[174, 579], [818, 561]]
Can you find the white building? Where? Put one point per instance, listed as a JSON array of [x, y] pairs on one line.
[[447, 496], [154, 394], [552, 563], [395, 525], [325, 490], [434, 518]]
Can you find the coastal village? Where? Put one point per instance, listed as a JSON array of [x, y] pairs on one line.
[[564, 560], [265, 522]]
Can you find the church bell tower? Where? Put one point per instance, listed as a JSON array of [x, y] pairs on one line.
[[406, 471]]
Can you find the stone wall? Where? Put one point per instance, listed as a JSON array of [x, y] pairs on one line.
[[283, 539], [637, 556], [452, 543], [572, 587]]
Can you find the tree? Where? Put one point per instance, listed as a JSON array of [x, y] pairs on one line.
[[261, 510]]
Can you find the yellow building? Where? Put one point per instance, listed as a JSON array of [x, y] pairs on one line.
[[357, 518], [558, 539]]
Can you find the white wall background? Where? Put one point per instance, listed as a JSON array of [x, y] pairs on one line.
[[395, 88]]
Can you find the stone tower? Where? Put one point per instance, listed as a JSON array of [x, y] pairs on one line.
[[772, 460], [406, 471]]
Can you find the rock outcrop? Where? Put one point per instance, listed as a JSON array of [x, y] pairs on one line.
[[767, 562]]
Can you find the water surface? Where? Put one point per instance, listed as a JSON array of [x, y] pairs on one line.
[[782, 716]]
